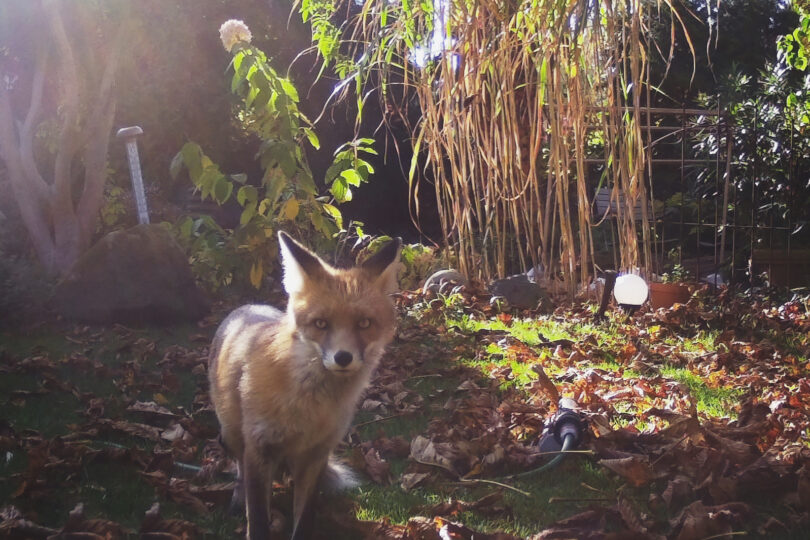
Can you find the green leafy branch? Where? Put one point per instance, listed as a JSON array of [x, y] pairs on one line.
[[287, 192], [349, 169]]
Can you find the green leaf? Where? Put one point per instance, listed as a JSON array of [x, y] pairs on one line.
[[317, 221], [222, 190], [205, 181], [335, 168], [192, 157], [262, 99], [185, 227], [247, 214], [251, 97], [235, 82], [289, 89], [335, 213], [363, 164], [265, 206], [271, 152], [242, 63], [313, 138], [352, 177], [288, 165], [238, 58], [275, 183], [340, 190], [257, 78], [247, 194], [305, 182], [240, 178]]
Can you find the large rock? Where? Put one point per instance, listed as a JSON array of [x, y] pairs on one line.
[[138, 275], [520, 292], [438, 281]]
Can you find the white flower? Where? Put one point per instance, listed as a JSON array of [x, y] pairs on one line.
[[232, 32]]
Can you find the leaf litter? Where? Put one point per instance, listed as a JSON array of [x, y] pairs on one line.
[[707, 474]]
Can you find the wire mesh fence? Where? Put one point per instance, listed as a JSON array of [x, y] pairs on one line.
[[729, 199]]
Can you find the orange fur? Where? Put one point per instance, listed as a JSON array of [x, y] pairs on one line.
[[281, 385]]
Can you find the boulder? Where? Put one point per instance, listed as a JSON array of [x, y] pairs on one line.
[[436, 282], [138, 275], [536, 274], [519, 292]]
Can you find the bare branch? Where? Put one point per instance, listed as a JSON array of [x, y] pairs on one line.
[[67, 147], [95, 159], [9, 143], [30, 210], [99, 128], [27, 131]]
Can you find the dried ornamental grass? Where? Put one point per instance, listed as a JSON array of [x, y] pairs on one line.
[[508, 95]]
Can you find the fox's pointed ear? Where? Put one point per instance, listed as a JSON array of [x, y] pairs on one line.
[[384, 265], [298, 262]]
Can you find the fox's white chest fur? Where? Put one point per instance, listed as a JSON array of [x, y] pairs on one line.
[[313, 409]]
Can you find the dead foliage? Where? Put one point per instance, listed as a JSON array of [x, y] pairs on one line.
[[706, 476]]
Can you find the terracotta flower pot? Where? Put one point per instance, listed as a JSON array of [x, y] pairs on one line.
[[666, 294]]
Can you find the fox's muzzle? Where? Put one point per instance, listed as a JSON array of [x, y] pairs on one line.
[[343, 358]]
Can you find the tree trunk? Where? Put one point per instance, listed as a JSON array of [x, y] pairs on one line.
[[61, 224]]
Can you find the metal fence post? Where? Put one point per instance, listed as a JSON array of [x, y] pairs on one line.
[[130, 135]]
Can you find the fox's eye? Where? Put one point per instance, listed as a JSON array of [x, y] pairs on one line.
[[364, 323], [320, 324]]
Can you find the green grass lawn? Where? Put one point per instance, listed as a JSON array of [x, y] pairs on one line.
[[60, 383]]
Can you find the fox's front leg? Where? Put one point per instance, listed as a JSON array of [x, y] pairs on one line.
[[238, 497], [258, 481], [306, 471]]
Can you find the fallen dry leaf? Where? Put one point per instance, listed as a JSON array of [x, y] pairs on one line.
[[697, 521], [634, 469], [545, 383], [449, 530], [77, 526], [152, 410], [408, 481], [13, 525], [368, 459], [424, 451], [153, 527]]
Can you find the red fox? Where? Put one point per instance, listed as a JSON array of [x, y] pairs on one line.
[[285, 385]]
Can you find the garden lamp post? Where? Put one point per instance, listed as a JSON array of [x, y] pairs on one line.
[[130, 135], [630, 292]]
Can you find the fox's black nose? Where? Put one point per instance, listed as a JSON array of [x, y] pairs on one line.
[[343, 358]]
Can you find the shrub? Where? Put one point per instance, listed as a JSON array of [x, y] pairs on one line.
[[286, 196], [417, 261]]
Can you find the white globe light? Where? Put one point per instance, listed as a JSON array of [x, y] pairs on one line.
[[630, 290]]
